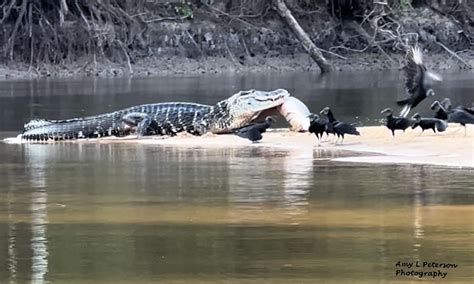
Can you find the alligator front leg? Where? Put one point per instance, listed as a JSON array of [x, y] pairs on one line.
[[168, 129], [141, 121], [199, 125], [146, 125]]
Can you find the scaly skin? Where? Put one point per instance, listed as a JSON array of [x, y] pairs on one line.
[[160, 119], [163, 119]]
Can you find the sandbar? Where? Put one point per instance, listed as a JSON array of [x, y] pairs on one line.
[[452, 148]]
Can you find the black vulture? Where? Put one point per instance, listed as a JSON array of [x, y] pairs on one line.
[[325, 120], [441, 112], [428, 123], [459, 114], [317, 126], [396, 123], [449, 107], [339, 128], [329, 127], [254, 131], [462, 116], [418, 82]]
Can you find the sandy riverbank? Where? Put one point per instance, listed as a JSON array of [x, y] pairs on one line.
[[451, 148]]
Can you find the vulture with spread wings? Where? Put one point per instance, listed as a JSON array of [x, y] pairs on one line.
[[418, 82]]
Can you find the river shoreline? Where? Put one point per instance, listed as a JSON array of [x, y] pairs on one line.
[[375, 145], [171, 65]]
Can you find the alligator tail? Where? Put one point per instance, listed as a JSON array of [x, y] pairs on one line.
[[36, 123], [43, 130]]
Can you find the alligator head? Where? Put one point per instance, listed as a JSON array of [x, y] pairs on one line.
[[242, 108]]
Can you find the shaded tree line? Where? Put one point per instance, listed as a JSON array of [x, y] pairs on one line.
[[62, 31]]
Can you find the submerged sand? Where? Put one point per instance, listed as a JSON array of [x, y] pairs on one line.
[[451, 148]]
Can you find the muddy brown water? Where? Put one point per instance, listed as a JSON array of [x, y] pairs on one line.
[[87, 212]]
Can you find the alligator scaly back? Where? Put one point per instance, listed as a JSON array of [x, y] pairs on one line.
[[150, 119]]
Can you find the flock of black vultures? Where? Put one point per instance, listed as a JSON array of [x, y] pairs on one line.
[[419, 81]]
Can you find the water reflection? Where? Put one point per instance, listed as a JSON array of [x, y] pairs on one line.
[[12, 238], [36, 156], [418, 231], [253, 164], [244, 212], [39, 241], [292, 173], [297, 182], [419, 200]]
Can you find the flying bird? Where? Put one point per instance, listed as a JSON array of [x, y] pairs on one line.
[[418, 81], [253, 132], [396, 123]]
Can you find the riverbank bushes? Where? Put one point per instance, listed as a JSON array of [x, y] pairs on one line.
[[60, 32]]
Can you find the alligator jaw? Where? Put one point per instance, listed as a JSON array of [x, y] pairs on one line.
[[244, 107]]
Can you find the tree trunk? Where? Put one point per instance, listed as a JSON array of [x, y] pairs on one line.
[[301, 35]]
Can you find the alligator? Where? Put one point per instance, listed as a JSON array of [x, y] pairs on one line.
[[162, 118]]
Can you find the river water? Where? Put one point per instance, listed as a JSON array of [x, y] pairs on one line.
[[121, 213]]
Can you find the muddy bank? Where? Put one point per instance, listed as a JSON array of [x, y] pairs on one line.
[[451, 148], [153, 38], [156, 66]]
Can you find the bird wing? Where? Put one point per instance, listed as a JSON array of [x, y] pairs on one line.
[[468, 110], [403, 123], [329, 127], [261, 127], [243, 128], [345, 128], [317, 125], [441, 114], [312, 127], [460, 116], [257, 135], [414, 71], [250, 133]]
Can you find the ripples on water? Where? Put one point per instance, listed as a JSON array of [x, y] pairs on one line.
[[143, 213], [97, 211]]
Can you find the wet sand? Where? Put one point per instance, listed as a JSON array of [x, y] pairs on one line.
[[451, 148]]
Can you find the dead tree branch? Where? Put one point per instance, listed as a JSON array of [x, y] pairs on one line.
[[302, 36], [454, 54], [11, 40]]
